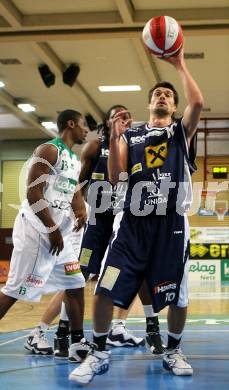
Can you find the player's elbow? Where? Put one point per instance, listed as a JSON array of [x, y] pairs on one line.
[[30, 195], [199, 103], [33, 194]]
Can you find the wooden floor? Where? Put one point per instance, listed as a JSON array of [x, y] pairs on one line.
[[207, 300]]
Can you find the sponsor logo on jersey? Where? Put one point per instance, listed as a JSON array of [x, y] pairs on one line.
[[136, 168], [104, 152], [85, 256], [161, 288], [64, 184], [97, 176], [109, 279], [153, 133], [156, 155], [60, 204], [160, 176], [34, 281], [155, 200], [72, 268], [155, 196], [166, 288], [137, 140]]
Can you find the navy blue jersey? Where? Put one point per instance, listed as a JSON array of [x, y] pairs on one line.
[[159, 167], [111, 196]]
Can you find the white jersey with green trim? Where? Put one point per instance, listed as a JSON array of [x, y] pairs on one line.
[[59, 189]]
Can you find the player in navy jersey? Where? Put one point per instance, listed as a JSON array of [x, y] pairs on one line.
[[96, 238], [152, 238]]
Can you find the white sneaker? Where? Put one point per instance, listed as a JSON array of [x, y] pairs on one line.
[[78, 351], [119, 336], [96, 363], [175, 361], [37, 343]]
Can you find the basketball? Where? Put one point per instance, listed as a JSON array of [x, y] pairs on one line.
[[162, 36]]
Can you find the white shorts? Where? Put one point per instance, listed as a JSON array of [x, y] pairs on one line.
[[34, 271]]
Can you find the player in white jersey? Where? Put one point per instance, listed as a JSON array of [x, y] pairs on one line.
[[43, 258]]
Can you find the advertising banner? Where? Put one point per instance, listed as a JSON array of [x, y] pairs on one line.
[[209, 251], [225, 270], [209, 235], [4, 269], [204, 270]]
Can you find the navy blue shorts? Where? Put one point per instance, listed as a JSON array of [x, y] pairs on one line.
[[154, 248], [95, 242]]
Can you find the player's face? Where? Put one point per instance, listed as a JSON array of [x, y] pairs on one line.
[[162, 102], [80, 131], [125, 117]]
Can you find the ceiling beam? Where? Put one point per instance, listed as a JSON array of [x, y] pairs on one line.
[[108, 33], [8, 101], [186, 15], [147, 62], [49, 57], [72, 20], [126, 10], [4, 25], [11, 13], [93, 20]]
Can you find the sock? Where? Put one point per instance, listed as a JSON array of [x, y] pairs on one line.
[[149, 312], [173, 340], [63, 314], [63, 328], [118, 322], [77, 335], [43, 326], [152, 325], [100, 340]]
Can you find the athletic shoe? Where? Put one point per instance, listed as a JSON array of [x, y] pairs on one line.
[[61, 345], [119, 336], [37, 343], [78, 351], [154, 344], [96, 363], [175, 361]]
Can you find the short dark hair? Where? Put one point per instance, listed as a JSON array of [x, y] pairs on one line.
[[164, 84], [65, 116]]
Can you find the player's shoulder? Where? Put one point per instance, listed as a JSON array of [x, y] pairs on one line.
[[45, 153], [45, 149], [134, 131], [137, 127]]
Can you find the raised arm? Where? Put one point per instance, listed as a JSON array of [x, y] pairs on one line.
[[118, 156], [192, 93]]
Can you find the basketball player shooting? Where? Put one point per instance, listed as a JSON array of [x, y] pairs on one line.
[[154, 245]]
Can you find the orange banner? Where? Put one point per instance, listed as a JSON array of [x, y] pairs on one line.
[[4, 269]]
